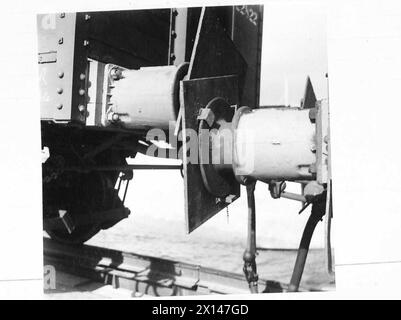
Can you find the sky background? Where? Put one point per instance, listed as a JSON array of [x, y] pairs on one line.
[[294, 46]]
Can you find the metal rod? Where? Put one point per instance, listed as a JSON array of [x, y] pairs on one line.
[[125, 191], [318, 211], [133, 268], [117, 191], [251, 218], [250, 251], [328, 216], [293, 196], [124, 167]]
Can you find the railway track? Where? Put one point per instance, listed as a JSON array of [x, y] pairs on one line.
[[144, 275]]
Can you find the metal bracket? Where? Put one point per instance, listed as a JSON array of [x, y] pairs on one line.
[[323, 142], [207, 115]]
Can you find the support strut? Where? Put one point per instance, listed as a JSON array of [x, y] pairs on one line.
[[249, 269], [317, 213]]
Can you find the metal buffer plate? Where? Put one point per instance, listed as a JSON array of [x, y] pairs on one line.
[[214, 53], [247, 24], [200, 204], [215, 148]]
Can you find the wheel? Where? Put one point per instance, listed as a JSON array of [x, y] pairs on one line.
[[78, 194], [69, 187]]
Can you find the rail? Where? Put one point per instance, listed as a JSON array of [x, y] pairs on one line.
[[147, 275]]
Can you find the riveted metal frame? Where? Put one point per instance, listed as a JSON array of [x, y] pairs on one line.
[[56, 34], [120, 37]]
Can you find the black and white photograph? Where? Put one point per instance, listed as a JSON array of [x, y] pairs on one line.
[[174, 142], [174, 150]]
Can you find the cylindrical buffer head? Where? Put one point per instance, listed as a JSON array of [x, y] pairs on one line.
[[274, 144], [148, 97]]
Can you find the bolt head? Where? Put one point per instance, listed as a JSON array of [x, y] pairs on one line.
[[81, 108], [116, 74], [60, 41], [60, 106], [59, 90], [81, 92], [60, 74], [115, 117], [82, 76]]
